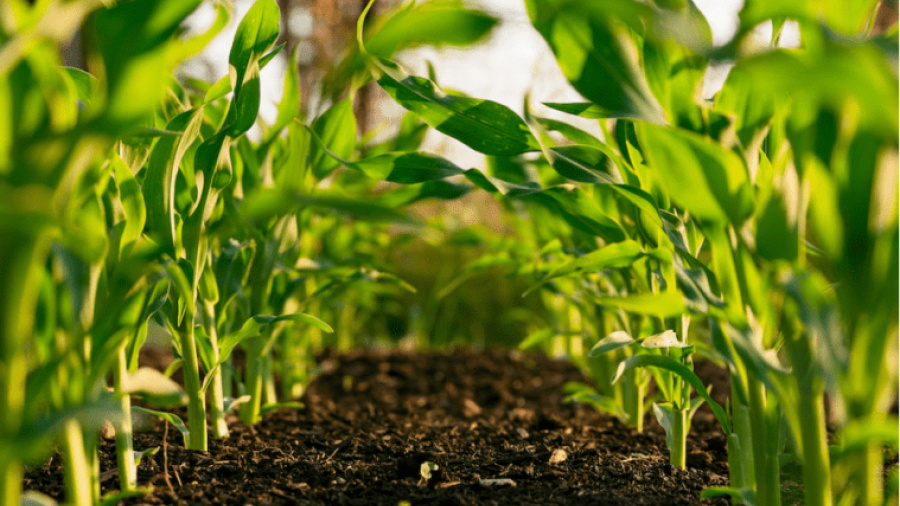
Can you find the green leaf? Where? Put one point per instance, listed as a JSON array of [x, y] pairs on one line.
[[336, 130], [255, 35], [255, 325], [585, 164], [582, 109], [245, 106], [776, 237], [132, 202], [702, 177], [170, 418], [35, 498], [268, 203], [159, 182], [231, 403], [133, 41], [538, 338], [694, 284], [665, 413], [437, 23], [497, 185], [597, 52], [154, 388], [685, 373], [408, 168], [662, 305], [616, 255], [664, 340], [85, 84], [483, 125], [614, 341]]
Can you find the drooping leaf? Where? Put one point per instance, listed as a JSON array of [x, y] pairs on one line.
[[335, 129], [483, 125], [132, 202], [154, 388], [620, 254], [170, 418], [268, 203], [701, 176], [614, 341], [585, 164], [132, 38], [685, 373], [662, 305], [664, 340], [255, 35], [596, 50]]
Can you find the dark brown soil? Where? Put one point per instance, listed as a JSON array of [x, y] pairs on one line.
[[373, 418]]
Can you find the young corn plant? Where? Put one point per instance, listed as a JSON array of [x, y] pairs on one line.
[[736, 175], [58, 127]]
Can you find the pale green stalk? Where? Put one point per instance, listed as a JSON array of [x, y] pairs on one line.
[[77, 468], [124, 428], [633, 393], [253, 385], [768, 480], [216, 392], [192, 384], [21, 257]]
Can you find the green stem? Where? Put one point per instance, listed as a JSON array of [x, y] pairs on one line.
[[869, 475], [767, 478], [124, 429], [253, 385], [816, 461], [678, 450], [21, 257], [216, 392], [633, 399], [740, 416], [76, 466], [736, 474], [192, 384]]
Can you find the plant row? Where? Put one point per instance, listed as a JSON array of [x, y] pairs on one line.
[[757, 229]]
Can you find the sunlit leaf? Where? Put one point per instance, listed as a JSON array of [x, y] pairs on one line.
[[597, 53], [685, 373], [614, 341], [701, 176], [485, 126]]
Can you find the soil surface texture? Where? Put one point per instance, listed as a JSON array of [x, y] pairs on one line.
[[390, 428]]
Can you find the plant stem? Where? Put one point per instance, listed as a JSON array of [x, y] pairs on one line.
[[21, 255], [216, 393], [249, 411], [633, 399], [124, 429], [678, 450], [192, 384], [767, 478], [736, 475], [816, 461], [76, 467], [869, 475], [740, 416]]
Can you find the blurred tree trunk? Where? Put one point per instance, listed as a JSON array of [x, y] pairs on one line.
[[323, 41]]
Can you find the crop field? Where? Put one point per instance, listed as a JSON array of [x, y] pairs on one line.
[[693, 301]]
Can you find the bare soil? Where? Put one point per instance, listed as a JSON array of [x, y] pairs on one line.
[[494, 423]]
